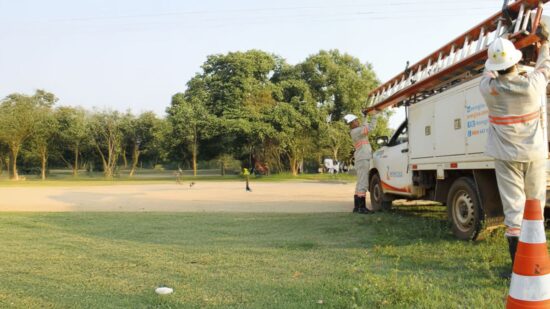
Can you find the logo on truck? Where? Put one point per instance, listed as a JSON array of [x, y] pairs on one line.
[[477, 119]]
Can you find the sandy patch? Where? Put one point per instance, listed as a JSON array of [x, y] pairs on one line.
[[288, 197]]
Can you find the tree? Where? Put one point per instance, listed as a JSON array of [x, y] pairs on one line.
[[42, 139], [19, 116], [105, 130], [232, 87], [139, 134], [298, 121], [338, 82], [191, 122], [231, 78], [73, 133], [4, 153], [336, 138]]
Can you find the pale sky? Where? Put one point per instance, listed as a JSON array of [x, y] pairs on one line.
[[136, 54]]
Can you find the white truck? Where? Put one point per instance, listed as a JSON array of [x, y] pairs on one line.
[[438, 152]]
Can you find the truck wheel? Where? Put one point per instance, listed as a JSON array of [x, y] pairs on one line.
[[378, 199], [464, 209]]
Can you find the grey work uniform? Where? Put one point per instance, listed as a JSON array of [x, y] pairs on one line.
[[362, 155], [516, 135]]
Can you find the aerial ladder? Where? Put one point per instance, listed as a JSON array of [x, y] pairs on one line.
[[463, 58]]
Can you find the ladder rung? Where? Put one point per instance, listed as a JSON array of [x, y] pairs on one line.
[[520, 18], [526, 18], [497, 31], [465, 48], [480, 39], [449, 59]]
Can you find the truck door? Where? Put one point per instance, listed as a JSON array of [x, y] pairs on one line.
[[394, 170]]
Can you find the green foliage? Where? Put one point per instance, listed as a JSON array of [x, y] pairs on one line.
[[139, 136], [20, 117], [42, 140], [73, 135], [250, 106], [190, 121], [339, 82], [335, 137], [105, 128]]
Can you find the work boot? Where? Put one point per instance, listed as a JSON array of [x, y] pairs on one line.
[[363, 206], [356, 203], [512, 247]]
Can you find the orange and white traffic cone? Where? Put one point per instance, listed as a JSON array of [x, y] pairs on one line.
[[530, 285]]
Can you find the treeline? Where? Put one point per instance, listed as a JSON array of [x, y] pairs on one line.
[[34, 130], [250, 106]]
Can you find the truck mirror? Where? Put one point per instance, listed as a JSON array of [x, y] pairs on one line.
[[381, 140]]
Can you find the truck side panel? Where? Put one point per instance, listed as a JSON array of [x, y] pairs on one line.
[[421, 126], [449, 129]]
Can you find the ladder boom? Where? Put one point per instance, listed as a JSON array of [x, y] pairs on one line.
[[460, 57]]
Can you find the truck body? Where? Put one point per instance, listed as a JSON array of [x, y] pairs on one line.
[[438, 154]]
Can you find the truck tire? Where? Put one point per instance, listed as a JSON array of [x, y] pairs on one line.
[[378, 200], [464, 209]]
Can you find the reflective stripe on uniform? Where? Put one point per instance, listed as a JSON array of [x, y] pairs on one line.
[[361, 143], [514, 119], [532, 232], [530, 288]]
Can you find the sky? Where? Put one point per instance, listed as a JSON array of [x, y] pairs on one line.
[[135, 54]]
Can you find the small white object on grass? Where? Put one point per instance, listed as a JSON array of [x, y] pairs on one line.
[[164, 290]]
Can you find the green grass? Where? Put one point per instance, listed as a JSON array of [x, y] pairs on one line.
[[62, 178], [115, 260]]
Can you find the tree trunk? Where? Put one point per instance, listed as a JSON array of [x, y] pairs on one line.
[[1, 166], [222, 166], [294, 166], [8, 165], [14, 150], [194, 154], [106, 170], [124, 159], [75, 165], [135, 159], [43, 159]]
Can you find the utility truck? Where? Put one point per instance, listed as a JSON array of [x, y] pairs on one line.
[[437, 153]]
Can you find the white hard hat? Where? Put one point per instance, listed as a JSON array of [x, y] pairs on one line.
[[349, 118], [502, 54]]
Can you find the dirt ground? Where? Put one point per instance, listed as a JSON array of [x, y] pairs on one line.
[[288, 197]]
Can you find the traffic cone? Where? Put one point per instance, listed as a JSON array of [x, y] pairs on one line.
[[530, 285]]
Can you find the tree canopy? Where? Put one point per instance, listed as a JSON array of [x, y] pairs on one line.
[[251, 106]]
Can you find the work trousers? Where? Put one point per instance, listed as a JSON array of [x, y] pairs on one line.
[[362, 167], [518, 181]]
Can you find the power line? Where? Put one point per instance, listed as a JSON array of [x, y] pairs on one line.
[[271, 9]]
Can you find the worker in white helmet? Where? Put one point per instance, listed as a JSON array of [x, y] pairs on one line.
[[516, 131], [363, 154]]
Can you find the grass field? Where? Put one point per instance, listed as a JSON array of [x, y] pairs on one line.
[[64, 178], [115, 260]]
